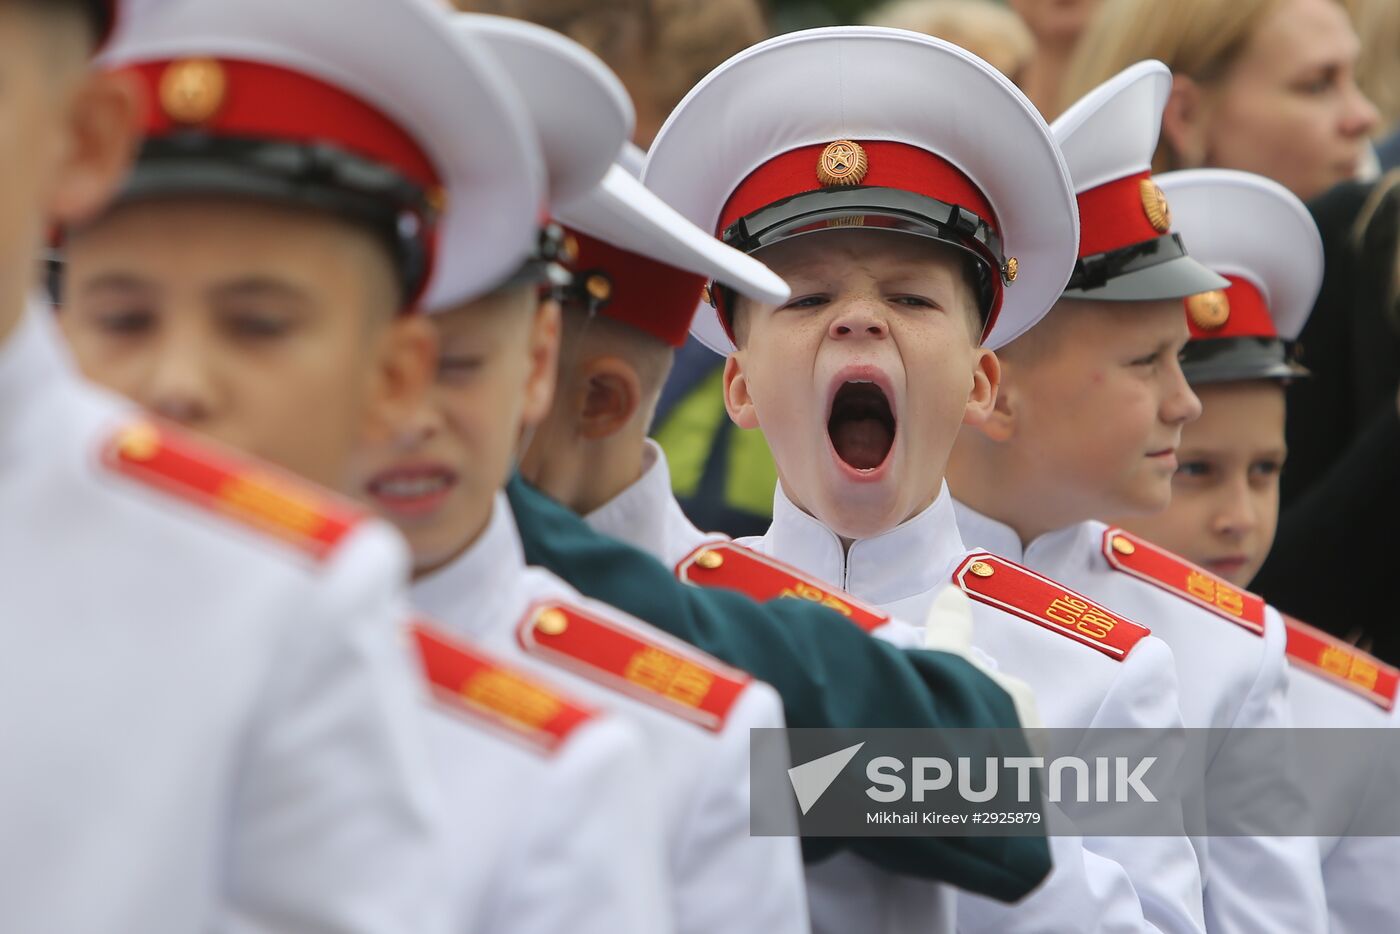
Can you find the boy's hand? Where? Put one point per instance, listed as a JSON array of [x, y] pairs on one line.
[[948, 628]]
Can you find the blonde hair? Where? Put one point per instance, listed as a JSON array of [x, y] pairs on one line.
[[1200, 39], [1377, 22], [986, 29]]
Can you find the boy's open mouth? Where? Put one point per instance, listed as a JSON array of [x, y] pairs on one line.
[[861, 425]]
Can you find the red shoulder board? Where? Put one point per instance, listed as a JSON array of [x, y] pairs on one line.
[[685, 683], [1159, 567], [756, 575], [1329, 657], [1024, 593], [487, 691], [259, 495]]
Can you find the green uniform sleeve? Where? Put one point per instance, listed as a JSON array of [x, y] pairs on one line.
[[829, 672]]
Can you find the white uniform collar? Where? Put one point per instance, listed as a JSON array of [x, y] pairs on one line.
[[32, 362], [646, 514], [483, 587], [910, 559], [982, 531]]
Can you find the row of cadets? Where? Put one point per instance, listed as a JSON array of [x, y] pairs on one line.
[[261, 158], [1224, 507], [497, 365], [210, 718], [898, 220], [623, 313], [1087, 427]]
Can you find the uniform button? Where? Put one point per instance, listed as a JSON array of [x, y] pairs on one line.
[[982, 569], [1123, 546], [709, 560], [552, 622]]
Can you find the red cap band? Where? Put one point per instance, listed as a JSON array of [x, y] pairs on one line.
[[650, 296], [1114, 216], [1249, 314], [258, 101], [890, 165]]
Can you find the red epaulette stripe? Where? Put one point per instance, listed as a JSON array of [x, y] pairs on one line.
[[494, 694], [257, 495], [763, 578], [1145, 561], [687, 684], [1345, 665], [1024, 593]]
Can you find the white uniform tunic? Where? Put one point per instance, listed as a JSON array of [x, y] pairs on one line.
[[1231, 677], [722, 878], [202, 727], [1358, 872], [1084, 892], [1076, 686], [547, 833]]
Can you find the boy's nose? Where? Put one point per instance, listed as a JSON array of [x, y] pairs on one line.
[[180, 387], [858, 319]]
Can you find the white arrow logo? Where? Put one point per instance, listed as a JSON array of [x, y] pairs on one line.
[[810, 780]]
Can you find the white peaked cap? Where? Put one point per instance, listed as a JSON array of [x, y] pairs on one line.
[[874, 86], [401, 58], [580, 110], [1127, 249]]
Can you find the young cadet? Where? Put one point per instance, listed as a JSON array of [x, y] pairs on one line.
[[1225, 494], [442, 484], [183, 658], [623, 317], [905, 241], [247, 284], [1088, 425]]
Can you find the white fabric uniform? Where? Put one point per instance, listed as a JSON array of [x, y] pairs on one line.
[[550, 840], [722, 878], [844, 893], [1084, 892], [901, 572], [1230, 678], [1358, 872], [203, 728]]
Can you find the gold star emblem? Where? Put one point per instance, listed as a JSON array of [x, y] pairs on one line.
[[842, 163], [1154, 203], [1209, 311], [1012, 269], [193, 90]]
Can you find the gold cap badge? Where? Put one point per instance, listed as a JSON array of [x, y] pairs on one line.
[[981, 569], [1209, 311], [842, 163], [552, 622], [1123, 546], [1159, 213], [193, 90], [1011, 269]]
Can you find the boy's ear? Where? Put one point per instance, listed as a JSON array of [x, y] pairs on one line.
[[101, 136], [1184, 122], [543, 373], [405, 370], [612, 394], [993, 402], [737, 401]]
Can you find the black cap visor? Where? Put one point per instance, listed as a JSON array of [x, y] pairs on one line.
[[1230, 359], [318, 177], [878, 208], [1155, 270]]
